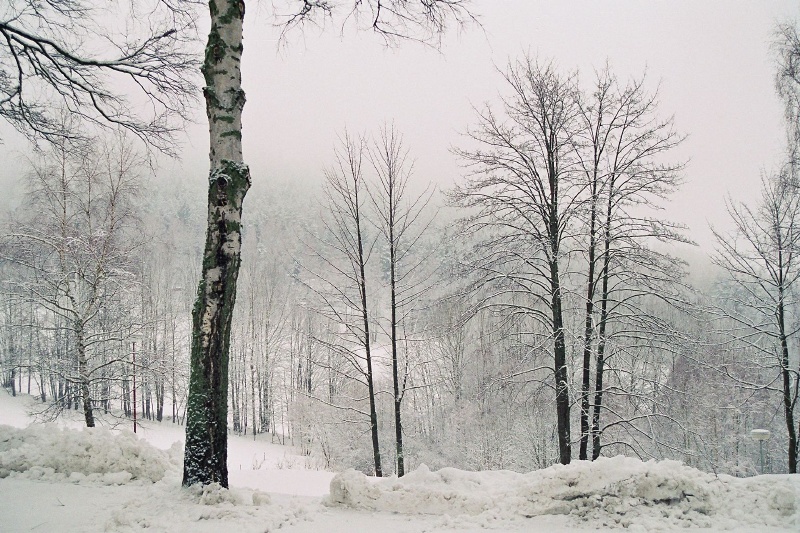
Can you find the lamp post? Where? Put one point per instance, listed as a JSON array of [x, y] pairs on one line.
[[760, 435]]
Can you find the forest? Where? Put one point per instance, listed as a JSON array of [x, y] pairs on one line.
[[539, 310]]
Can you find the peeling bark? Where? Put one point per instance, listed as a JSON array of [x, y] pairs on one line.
[[207, 410]]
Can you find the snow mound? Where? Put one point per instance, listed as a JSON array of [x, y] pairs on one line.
[[612, 492], [93, 455], [214, 494], [168, 507]]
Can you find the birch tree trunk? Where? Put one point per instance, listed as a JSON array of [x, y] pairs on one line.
[[83, 372], [206, 453]]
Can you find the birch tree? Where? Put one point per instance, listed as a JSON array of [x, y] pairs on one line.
[[78, 252], [206, 456]]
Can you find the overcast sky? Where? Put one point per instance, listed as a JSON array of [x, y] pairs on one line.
[[712, 59]]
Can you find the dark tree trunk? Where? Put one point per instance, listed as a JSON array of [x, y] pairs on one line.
[[206, 454], [562, 387], [373, 415], [788, 404], [398, 398], [160, 399], [559, 344], [587, 330], [601, 333], [598, 379]]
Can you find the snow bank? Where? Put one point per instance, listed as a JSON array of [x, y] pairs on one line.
[[94, 455], [166, 506], [612, 492]]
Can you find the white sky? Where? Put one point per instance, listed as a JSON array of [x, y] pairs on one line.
[[712, 59]]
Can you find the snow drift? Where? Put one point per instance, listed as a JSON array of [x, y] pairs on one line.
[[94, 455], [612, 492]]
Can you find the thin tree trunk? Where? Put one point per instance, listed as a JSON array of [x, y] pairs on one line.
[[562, 387], [234, 403], [559, 344], [398, 399], [206, 454], [601, 334], [126, 397], [788, 404], [253, 399], [587, 331], [373, 415]]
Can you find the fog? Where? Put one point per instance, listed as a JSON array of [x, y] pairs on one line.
[[711, 61]]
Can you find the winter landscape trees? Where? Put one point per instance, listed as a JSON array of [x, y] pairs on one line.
[[229, 180], [544, 308], [343, 287], [555, 176], [761, 259], [521, 185], [76, 257]]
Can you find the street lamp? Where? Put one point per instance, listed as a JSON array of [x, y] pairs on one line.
[[760, 435]]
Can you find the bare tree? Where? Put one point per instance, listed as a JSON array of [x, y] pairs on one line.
[[206, 456], [344, 254], [402, 226], [393, 20], [524, 195], [621, 152], [76, 252], [761, 257], [44, 67], [787, 82]]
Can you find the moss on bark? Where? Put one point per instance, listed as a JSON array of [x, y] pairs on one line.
[[205, 459]]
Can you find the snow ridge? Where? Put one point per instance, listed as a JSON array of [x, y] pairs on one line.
[[612, 492], [91, 455]]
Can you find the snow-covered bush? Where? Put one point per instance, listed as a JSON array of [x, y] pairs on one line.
[[91, 454]]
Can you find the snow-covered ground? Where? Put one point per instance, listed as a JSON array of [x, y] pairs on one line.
[[64, 478]]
